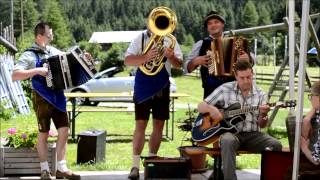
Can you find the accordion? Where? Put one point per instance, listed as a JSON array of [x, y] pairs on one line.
[[69, 69], [223, 53]]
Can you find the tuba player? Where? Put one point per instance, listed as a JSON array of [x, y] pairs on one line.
[[151, 91]]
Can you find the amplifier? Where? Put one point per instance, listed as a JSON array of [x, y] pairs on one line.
[[275, 165], [91, 147], [168, 168]]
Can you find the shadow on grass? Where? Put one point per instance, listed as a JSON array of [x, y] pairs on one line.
[[120, 138], [124, 138]]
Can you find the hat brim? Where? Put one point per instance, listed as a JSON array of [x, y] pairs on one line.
[[214, 16]]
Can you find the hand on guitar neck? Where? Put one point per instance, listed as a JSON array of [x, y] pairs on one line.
[[263, 115]]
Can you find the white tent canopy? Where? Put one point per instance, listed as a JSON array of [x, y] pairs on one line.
[[113, 36]]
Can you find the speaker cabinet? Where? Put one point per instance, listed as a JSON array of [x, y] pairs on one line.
[[91, 147], [275, 164], [167, 168]]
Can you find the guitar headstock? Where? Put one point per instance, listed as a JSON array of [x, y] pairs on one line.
[[288, 103]]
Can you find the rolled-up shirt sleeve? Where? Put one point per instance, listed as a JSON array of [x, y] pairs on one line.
[[134, 47], [178, 52], [216, 97], [26, 61], [194, 53], [264, 98]]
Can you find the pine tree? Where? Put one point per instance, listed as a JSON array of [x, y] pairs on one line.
[[264, 15], [54, 16], [249, 17]]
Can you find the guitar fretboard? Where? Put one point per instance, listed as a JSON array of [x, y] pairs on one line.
[[244, 110]]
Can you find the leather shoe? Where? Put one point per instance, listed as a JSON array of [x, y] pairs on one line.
[[68, 175], [211, 177], [45, 175], [134, 173]]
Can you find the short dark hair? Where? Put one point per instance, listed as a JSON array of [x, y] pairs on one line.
[[241, 66], [40, 28]]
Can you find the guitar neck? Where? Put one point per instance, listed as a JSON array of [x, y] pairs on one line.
[[244, 110], [236, 112]]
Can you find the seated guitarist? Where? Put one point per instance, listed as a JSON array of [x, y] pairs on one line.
[[249, 138]]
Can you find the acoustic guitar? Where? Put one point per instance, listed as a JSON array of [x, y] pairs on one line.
[[207, 130]]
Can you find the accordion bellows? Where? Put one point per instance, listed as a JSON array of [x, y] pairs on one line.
[[224, 52], [69, 69]]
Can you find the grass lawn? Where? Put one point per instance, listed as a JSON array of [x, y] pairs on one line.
[[120, 126]]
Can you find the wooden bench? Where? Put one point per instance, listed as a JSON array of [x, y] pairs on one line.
[[215, 153], [72, 114], [79, 110], [74, 111]]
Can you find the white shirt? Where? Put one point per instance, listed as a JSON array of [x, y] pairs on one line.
[[27, 60], [136, 49]]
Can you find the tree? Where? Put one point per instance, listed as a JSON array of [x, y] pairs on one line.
[[5, 13], [115, 56], [54, 15], [30, 15], [94, 49], [249, 15], [264, 16]]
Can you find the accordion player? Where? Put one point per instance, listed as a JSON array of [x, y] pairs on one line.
[[69, 69]]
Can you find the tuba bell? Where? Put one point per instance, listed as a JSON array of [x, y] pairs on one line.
[[161, 22]]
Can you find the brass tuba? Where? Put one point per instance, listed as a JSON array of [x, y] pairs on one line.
[[161, 22]]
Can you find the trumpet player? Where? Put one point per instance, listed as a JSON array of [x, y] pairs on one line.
[[150, 91], [214, 24]]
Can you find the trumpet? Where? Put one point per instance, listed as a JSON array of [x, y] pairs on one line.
[[161, 22]]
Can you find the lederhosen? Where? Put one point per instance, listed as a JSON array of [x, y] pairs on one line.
[[209, 82], [48, 103], [148, 88]]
